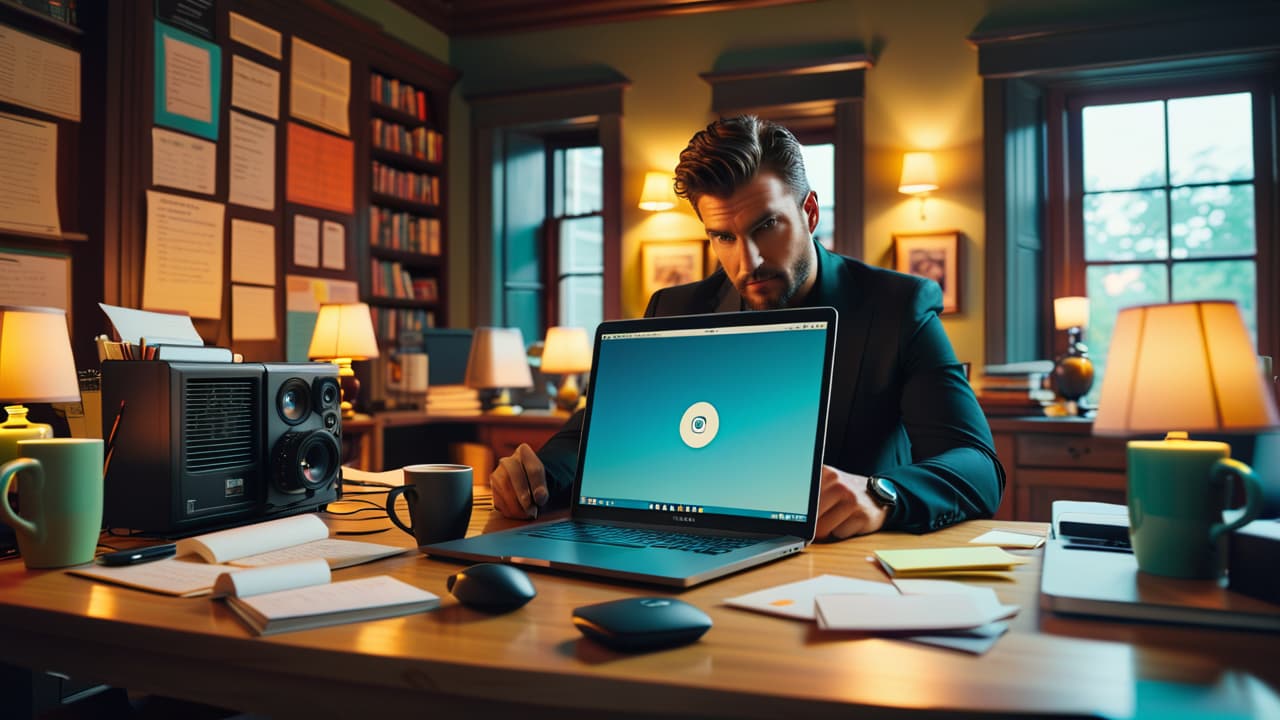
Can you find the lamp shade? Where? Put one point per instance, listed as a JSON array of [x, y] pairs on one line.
[[1069, 312], [497, 359], [659, 193], [1183, 366], [566, 351], [343, 330], [919, 173], [36, 364]]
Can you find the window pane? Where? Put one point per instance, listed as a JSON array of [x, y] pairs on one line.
[[820, 166], [581, 302], [1212, 220], [524, 311], [1123, 146], [1220, 280], [1211, 139], [583, 192], [582, 245], [1112, 288], [1126, 226]]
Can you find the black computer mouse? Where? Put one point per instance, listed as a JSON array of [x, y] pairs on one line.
[[492, 587], [641, 623]]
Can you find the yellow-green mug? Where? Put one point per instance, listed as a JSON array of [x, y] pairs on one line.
[[60, 500], [1178, 512]]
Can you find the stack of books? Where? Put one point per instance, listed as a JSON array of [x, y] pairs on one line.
[[1016, 389], [452, 400]]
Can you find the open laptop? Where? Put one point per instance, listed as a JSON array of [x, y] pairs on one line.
[[700, 455]]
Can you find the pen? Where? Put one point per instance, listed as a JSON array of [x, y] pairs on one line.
[[111, 438]]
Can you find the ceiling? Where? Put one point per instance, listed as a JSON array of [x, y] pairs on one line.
[[487, 17]]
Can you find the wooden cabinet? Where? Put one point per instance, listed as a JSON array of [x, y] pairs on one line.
[[1047, 459], [401, 437]]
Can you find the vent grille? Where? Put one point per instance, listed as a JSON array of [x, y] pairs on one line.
[[219, 423]]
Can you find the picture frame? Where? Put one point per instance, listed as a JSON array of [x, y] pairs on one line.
[[667, 263], [933, 255]]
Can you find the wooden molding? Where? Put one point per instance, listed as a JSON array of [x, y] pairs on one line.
[[485, 17]]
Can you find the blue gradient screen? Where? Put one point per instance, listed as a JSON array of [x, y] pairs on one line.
[[720, 420]]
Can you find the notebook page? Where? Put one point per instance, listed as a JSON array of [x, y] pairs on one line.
[[338, 553], [171, 576], [226, 545], [370, 592], [259, 581]]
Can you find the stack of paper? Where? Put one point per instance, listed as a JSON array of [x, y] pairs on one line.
[[452, 400], [946, 561]]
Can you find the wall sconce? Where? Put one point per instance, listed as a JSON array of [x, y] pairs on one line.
[[1073, 370], [659, 194], [566, 352], [343, 333], [919, 176]]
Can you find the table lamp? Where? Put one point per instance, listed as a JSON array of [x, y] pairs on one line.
[[1173, 369], [497, 362], [36, 365], [566, 352], [344, 333], [1073, 370]]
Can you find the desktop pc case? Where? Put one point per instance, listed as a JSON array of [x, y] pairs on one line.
[[193, 446]]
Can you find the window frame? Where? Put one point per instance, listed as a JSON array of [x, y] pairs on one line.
[[552, 272]]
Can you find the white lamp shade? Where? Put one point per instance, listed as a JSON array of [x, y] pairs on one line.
[[659, 193], [343, 330], [919, 173], [1183, 366], [36, 364], [566, 350], [1069, 312], [498, 360]]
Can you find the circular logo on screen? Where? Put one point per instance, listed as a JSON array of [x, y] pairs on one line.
[[699, 425]]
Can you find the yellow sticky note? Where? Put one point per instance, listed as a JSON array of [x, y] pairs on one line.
[[931, 561]]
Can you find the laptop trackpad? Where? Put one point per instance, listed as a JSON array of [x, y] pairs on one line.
[[574, 553]]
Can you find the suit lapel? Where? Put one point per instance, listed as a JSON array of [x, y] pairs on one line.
[[837, 288]]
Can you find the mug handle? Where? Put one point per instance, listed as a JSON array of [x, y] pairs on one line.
[[1221, 473], [391, 505], [7, 471]]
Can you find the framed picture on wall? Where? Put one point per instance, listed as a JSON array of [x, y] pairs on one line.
[[933, 255], [667, 263]]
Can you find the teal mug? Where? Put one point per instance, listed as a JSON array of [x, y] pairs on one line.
[[1178, 514], [60, 498]]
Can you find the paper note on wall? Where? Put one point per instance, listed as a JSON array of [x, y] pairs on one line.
[[253, 252], [253, 313], [255, 35], [320, 170], [183, 265], [252, 162], [40, 75], [183, 162], [255, 87], [188, 82], [306, 241], [335, 246], [320, 86], [35, 279], [28, 175]]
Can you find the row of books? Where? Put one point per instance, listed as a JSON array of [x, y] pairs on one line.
[[1016, 389], [404, 231], [415, 186], [453, 400], [397, 327], [389, 279], [420, 142], [399, 95]]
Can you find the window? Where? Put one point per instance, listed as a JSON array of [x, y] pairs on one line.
[[1166, 191], [820, 165], [575, 238]]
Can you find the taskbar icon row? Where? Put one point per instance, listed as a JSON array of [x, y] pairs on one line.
[[668, 507]]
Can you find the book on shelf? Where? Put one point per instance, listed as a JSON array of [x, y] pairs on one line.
[[299, 596], [1043, 367], [1015, 383], [202, 558]]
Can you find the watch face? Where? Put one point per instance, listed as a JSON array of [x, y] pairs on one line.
[[883, 491]]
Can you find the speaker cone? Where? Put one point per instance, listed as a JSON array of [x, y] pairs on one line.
[[293, 401], [306, 461]]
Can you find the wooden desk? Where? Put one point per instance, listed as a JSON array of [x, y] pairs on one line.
[[533, 663]]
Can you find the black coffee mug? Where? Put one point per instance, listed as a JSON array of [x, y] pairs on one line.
[[439, 499]]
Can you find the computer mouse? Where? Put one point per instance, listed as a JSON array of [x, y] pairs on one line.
[[641, 623], [492, 587]]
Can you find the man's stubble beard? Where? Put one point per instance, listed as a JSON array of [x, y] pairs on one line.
[[800, 271]]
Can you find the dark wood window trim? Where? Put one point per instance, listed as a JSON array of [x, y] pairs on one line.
[[595, 105], [827, 93], [1028, 73]]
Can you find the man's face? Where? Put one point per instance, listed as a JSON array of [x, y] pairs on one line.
[[763, 240]]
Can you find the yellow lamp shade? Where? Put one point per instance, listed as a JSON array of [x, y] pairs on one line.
[[1183, 366], [659, 193], [36, 364], [1069, 312], [919, 173], [343, 330], [566, 350], [498, 360]]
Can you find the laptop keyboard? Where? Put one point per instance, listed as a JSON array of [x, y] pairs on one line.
[[641, 538]]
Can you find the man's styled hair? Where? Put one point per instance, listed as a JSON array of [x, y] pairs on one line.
[[731, 151]]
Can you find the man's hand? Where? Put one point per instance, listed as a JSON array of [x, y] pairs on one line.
[[844, 508], [519, 484]]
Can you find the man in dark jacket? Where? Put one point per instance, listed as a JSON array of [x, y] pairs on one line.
[[908, 447]]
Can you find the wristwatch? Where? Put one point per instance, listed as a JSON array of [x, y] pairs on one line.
[[882, 491]]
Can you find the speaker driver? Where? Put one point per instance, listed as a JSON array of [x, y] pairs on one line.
[[293, 400], [328, 393], [306, 461]]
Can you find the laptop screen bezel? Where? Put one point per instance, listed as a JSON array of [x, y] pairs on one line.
[[803, 529]]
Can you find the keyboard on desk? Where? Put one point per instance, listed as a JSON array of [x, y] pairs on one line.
[[640, 537]]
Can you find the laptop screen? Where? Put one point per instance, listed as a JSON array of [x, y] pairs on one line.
[[708, 422]]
